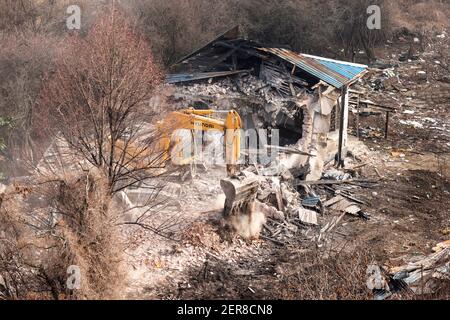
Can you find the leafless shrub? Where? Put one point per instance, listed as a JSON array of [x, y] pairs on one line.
[[45, 17], [52, 226], [24, 58], [326, 274], [349, 22], [88, 224], [18, 14], [176, 27], [286, 23], [324, 27]]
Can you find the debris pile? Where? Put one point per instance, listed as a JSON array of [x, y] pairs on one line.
[[421, 276], [260, 105], [410, 85], [295, 209]]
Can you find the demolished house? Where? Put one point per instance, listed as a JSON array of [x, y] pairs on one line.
[[306, 98], [273, 88]]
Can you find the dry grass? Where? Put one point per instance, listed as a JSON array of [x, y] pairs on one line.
[[201, 234], [55, 225], [420, 16], [325, 275], [288, 273], [92, 241]]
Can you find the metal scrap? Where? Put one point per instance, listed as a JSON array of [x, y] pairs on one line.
[[422, 275]]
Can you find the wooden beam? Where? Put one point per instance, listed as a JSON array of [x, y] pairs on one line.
[[357, 116], [386, 128]]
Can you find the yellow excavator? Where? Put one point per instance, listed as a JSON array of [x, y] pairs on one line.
[[168, 143], [203, 120], [240, 191]]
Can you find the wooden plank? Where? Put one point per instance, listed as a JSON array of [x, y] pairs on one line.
[[331, 182], [341, 127]]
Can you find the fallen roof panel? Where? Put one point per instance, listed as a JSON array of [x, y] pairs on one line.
[[184, 77]]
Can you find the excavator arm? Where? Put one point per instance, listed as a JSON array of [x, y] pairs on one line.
[[193, 119]]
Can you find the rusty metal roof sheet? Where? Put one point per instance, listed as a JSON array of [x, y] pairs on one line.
[[334, 72]]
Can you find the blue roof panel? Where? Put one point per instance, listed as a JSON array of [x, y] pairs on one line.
[[346, 69], [334, 72]]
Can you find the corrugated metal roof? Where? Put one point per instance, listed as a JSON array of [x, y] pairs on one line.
[[183, 77], [334, 72]]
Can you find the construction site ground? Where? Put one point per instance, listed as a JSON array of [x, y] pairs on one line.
[[409, 211]]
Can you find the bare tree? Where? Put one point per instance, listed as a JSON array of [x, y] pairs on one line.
[[24, 57], [97, 100], [177, 27], [349, 21]]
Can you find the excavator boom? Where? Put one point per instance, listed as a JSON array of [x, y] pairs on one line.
[[193, 119]]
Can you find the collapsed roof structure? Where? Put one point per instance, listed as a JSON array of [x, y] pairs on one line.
[[273, 87], [226, 54]]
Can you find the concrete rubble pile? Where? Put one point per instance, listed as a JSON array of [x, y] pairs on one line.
[[259, 106], [293, 209]]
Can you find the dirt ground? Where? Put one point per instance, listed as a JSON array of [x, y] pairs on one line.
[[409, 209]]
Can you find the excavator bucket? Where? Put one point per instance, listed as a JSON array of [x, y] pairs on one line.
[[241, 209], [240, 192]]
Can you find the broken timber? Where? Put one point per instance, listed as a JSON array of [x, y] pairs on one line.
[[330, 182], [371, 107]]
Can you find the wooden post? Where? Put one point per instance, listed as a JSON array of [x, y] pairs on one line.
[[234, 60], [357, 116], [336, 116]]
